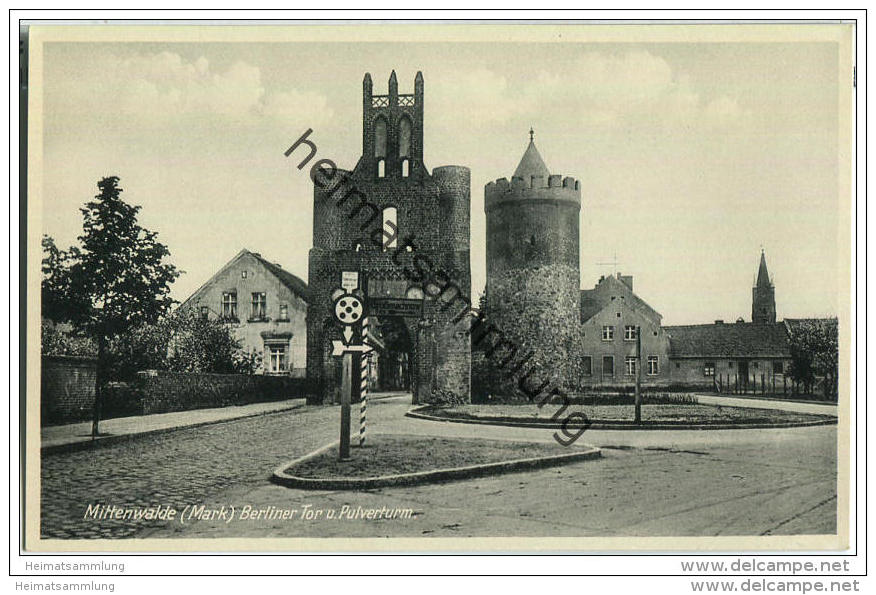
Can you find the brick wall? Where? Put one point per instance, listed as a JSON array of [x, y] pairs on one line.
[[67, 388]]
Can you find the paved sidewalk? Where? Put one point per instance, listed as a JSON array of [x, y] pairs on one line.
[[781, 405], [54, 437]]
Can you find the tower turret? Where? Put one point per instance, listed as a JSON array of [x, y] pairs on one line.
[[533, 278], [763, 295]]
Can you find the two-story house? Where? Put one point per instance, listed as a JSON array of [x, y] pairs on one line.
[[611, 315], [265, 305]]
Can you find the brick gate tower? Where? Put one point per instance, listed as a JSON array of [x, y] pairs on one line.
[[533, 278], [400, 226]]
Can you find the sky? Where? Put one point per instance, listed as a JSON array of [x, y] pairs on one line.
[[692, 157]]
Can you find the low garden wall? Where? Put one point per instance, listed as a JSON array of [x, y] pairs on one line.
[[67, 388], [163, 392]]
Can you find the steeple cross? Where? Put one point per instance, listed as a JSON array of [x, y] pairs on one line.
[[531, 134]]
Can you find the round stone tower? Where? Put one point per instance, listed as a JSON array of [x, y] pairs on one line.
[[533, 272]]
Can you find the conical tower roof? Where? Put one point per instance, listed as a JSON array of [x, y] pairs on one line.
[[531, 164], [763, 276]]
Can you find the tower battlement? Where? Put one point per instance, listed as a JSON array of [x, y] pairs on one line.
[[532, 188]]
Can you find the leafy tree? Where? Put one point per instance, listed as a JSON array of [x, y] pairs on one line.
[[200, 345], [56, 341], [117, 277], [815, 353], [58, 305], [181, 342]]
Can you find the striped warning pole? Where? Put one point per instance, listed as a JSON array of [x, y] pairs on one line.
[[364, 386]]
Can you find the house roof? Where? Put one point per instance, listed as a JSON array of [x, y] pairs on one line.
[[740, 339], [295, 284], [592, 301]]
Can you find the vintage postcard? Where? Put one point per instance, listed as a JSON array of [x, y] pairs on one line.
[[440, 287]]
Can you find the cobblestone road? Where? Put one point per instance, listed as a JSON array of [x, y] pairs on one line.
[[182, 467], [735, 482]]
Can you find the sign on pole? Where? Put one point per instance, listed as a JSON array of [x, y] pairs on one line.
[[349, 310], [349, 280]]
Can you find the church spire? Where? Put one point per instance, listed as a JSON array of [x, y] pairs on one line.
[[763, 276], [763, 295]]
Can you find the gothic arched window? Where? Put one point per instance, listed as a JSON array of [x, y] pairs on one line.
[[380, 138], [404, 137]]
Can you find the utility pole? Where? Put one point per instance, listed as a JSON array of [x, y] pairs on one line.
[[638, 374]]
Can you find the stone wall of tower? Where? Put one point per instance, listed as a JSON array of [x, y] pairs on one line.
[[533, 276]]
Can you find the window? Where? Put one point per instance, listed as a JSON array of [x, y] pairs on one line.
[[630, 365], [608, 365], [278, 359], [259, 305], [406, 168], [380, 138], [586, 366], [205, 312], [709, 369], [629, 333], [618, 314], [284, 312], [381, 169], [404, 138], [243, 274], [778, 368], [608, 333], [390, 228], [653, 365], [229, 305]]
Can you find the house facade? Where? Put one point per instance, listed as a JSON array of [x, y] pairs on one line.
[[730, 356], [264, 304], [611, 315]]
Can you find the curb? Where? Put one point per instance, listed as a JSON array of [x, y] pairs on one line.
[[117, 438], [620, 425], [280, 477]]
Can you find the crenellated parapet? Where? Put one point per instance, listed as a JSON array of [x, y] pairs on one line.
[[553, 188]]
